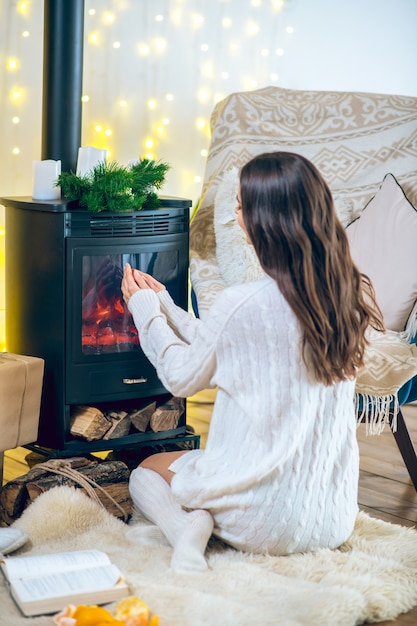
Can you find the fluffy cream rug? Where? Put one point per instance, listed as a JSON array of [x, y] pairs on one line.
[[372, 578]]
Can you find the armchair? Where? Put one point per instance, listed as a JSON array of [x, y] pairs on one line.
[[365, 145]]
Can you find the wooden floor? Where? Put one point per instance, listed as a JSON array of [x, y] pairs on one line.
[[385, 489]]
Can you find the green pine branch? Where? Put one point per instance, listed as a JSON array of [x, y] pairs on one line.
[[112, 187]]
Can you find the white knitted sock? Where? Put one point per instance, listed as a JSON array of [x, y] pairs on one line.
[[188, 533], [149, 535]]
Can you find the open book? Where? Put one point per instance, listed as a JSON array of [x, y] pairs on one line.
[[47, 583]]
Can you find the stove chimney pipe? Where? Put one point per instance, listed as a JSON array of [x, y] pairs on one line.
[[62, 81]]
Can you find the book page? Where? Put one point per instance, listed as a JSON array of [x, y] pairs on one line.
[[66, 583], [37, 565]]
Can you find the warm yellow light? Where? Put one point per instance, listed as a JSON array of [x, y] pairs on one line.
[[15, 119], [108, 132], [197, 179], [143, 49], [169, 97], [160, 44], [94, 38], [108, 18], [226, 22], [122, 103], [148, 143], [277, 4], [165, 121], [150, 156], [203, 95], [200, 123], [91, 12], [85, 98], [197, 20], [16, 94], [98, 128], [204, 152], [16, 150], [151, 103], [176, 17], [2, 332], [116, 45], [207, 70], [22, 6], [256, 3], [252, 28], [25, 33], [12, 64]]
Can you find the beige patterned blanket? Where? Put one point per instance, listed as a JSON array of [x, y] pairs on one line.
[[353, 138]]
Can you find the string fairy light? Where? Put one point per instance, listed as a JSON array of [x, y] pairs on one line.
[[12, 64], [238, 26], [151, 79]]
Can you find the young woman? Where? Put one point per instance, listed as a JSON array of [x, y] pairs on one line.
[[279, 473]]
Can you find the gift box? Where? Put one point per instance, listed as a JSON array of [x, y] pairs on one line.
[[21, 380]]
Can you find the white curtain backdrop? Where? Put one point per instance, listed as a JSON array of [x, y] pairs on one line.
[[154, 69]]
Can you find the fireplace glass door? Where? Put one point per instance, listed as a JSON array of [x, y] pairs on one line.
[[101, 331], [107, 326]]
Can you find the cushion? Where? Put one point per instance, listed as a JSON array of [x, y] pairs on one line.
[[390, 361], [383, 242], [237, 259]]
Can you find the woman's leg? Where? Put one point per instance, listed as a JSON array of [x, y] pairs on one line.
[[187, 532], [161, 461]]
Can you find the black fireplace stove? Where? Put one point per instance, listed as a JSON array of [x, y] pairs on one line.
[[64, 304]]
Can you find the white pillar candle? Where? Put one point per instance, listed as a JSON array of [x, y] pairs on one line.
[[45, 175], [88, 158]]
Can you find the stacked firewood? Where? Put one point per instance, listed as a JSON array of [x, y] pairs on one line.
[[90, 423], [106, 481]]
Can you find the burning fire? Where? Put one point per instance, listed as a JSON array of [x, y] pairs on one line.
[[107, 325]]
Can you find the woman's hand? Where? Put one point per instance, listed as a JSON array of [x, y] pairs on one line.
[[135, 280], [151, 282]]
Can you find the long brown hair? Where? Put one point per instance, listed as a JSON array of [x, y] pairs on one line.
[[289, 215]]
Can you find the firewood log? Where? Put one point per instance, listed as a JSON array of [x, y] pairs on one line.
[[14, 495], [140, 418], [167, 415], [113, 476], [120, 424], [89, 423]]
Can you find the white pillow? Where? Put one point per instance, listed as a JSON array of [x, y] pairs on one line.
[[383, 243], [237, 259]]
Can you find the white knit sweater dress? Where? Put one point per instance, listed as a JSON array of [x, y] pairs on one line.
[[279, 472]]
